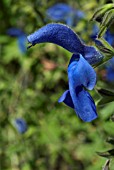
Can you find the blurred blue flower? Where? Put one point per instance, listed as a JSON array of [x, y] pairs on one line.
[[21, 38], [110, 70], [81, 75], [110, 64], [95, 31], [108, 36], [15, 32], [64, 13], [20, 125]]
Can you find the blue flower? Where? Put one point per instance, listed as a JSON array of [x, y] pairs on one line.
[[21, 37], [21, 125], [110, 70], [95, 31], [81, 75], [15, 32], [65, 37], [64, 13], [108, 36]]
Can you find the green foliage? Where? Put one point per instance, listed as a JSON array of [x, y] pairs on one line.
[[30, 85]]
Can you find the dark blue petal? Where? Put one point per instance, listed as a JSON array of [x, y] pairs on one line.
[[92, 55], [15, 32], [80, 72], [84, 105], [65, 37], [21, 125], [58, 34], [66, 98]]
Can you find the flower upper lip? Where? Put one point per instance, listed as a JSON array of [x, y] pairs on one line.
[[65, 37]]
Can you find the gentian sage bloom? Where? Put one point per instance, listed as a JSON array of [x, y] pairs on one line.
[[62, 12], [21, 125], [21, 37], [81, 75]]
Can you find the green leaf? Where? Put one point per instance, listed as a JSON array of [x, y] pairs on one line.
[[105, 48], [110, 140], [107, 154], [105, 92], [104, 101], [100, 12], [107, 20], [106, 96], [112, 117], [104, 44]]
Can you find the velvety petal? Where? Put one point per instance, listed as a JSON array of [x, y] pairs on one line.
[[58, 34], [65, 37], [66, 98], [80, 72], [84, 105], [92, 55]]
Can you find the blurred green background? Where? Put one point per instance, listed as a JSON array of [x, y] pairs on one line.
[[30, 86]]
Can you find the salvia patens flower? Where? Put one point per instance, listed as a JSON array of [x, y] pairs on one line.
[[21, 38], [81, 75], [62, 12], [65, 37], [20, 125]]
